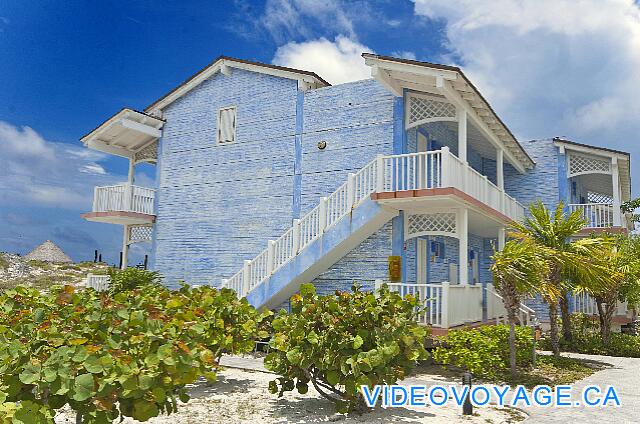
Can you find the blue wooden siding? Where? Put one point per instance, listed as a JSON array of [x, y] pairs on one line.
[[219, 204]]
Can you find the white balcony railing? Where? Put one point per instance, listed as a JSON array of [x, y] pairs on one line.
[[413, 171], [124, 198], [97, 282], [597, 215], [445, 305], [441, 169], [582, 303]]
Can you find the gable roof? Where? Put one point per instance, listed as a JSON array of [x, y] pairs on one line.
[[407, 73], [222, 64]]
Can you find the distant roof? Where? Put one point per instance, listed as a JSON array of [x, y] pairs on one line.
[[48, 252], [221, 61]]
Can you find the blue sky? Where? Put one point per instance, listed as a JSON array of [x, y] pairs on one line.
[[549, 68]]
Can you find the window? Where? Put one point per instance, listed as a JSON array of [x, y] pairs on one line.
[[227, 124]]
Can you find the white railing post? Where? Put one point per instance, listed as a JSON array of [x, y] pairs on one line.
[[445, 305], [351, 190], [379, 173], [95, 199], [271, 250], [322, 214], [445, 167], [295, 245], [246, 275], [127, 197], [378, 284]]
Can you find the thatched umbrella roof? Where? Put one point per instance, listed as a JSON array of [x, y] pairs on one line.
[[48, 252]]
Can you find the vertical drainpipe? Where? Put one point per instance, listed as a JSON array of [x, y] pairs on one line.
[[564, 191], [399, 147], [154, 232], [297, 165]]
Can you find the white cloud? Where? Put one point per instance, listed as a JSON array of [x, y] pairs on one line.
[[291, 19], [336, 61], [550, 67], [404, 54], [38, 172]]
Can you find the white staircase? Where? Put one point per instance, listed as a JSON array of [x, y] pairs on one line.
[[391, 173]]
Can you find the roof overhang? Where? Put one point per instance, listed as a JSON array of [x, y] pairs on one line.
[[622, 158], [449, 81], [125, 133], [224, 65]]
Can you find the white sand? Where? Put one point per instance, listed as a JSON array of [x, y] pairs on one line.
[[242, 397]]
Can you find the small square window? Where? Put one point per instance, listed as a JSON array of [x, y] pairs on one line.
[[227, 124]]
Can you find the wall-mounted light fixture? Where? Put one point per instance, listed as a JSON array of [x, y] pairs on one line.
[[322, 145]]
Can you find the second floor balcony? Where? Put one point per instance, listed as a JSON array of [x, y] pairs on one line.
[[126, 204]]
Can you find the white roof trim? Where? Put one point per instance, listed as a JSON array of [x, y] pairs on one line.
[[224, 66], [396, 75]]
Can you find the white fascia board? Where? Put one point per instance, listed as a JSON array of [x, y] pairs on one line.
[[452, 95], [383, 77], [412, 69], [141, 128], [112, 150], [591, 150]]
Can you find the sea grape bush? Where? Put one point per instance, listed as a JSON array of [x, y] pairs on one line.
[[339, 342], [126, 355], [131, 278], [484, 351]]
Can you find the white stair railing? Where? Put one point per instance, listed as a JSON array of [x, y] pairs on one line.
[[412, 171], [497, 311]]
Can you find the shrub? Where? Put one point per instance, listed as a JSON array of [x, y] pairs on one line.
[[484, 351], [587, 339], [340, 342], [4, 263], [131, 278], [108, 357]]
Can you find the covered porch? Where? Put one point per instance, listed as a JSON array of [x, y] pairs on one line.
[[132, 135]]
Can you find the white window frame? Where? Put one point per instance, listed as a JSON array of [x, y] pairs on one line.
[[235, 124]]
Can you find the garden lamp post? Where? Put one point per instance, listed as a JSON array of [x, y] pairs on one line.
[[467, 407]]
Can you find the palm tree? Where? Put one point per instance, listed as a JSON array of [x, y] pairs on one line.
[[518, 270], [567, 259], [622, 258]]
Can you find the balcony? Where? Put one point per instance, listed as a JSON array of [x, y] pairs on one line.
[[439, 174], [124, 204], [597, 215]]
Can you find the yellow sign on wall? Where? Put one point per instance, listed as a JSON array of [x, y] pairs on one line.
[[395, 268]]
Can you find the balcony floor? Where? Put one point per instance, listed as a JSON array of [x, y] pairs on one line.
[[483, 220], [120, 217]]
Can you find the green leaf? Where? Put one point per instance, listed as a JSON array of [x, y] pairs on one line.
[[357, 342], [143, 410], [30, 373], [312, 337], [307, 290], [333, 377], [83, 387]]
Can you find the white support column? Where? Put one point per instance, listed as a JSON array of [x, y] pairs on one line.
[[131, 175], [617, 214], [462, 134], [502, 236], [445, 168], [500, 168], [444, 311], [125, 247], [463, 246]]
